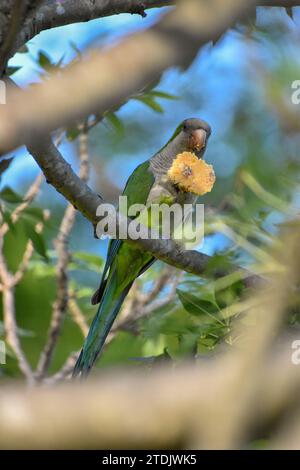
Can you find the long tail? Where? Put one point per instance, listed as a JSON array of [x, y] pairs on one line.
[[108, 309]]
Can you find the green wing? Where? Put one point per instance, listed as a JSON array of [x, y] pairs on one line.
[[139, 184], [137, 190]]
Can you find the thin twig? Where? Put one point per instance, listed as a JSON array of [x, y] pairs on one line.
[[137, 307], [159, 285], [24, 263], [9, 317], [63, 257], [143, 306], [148, 308], [9, 281], [27, 255], [65, 371], [77, 314]]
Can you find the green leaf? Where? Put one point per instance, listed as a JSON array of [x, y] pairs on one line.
[[115, 121], [9, 352], [75, 49], [194, 304], [151, 103], [84, 292], [86, 261], [44, 61], [35, 212], [4, 164], [220, 261], [289, 11], [25, 333], [209, 342], [7, 219], [9, 195], [12, 69], [122, 348], [36, 238], [72, 133], [170, 322], [42, 270], [162, 94]]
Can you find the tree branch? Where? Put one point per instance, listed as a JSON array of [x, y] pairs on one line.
[[9, 281], [60, 174], [77, 314], [50, 15], [12, 16], [139, 60], [279, 3], [178, 407], [63, 257], [209, 407]]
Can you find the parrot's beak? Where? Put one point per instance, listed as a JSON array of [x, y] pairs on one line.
[[198, 140]]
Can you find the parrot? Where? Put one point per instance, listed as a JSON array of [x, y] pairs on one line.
[[125, 262]]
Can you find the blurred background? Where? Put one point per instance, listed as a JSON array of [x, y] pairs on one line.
[[241, 85]]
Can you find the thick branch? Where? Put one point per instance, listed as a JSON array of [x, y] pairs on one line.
[[9, 317], [60, 174], [9, 282], [279, 3], [168, 408], [139, 59], [12, 15], [50, 15]]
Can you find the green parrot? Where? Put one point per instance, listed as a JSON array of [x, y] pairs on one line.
[[147, 184]]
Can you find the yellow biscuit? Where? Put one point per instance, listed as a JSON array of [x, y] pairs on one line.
[[192, 174]]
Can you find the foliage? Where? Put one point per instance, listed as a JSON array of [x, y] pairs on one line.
[[256, 194]]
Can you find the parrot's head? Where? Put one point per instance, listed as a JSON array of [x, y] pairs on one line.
[[190, 136], [195, 134]]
